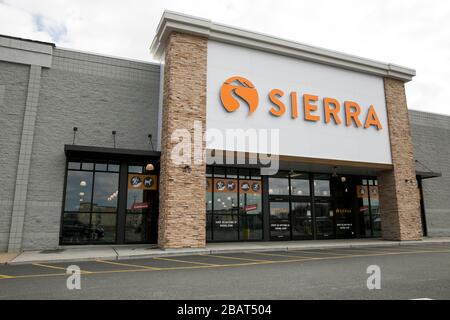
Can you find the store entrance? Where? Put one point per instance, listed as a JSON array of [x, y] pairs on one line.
[[320, 206], [290, 220], [141, 215], [110, 202]]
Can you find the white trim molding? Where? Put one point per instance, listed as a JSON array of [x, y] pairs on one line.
[[24, 51], [176, 22]]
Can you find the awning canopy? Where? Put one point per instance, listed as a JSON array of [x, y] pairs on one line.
[[101, 153], [423, 172]]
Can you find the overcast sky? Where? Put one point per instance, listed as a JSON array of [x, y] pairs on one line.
[[411, 33]]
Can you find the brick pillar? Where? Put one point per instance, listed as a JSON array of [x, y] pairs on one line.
[[399, 200], [182, 209]]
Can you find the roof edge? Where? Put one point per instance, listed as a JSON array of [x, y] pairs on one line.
[[177, 22]]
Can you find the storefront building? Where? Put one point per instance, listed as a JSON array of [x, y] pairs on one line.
[[91, 144]]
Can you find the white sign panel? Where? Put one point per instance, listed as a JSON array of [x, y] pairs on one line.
[[320, 111]]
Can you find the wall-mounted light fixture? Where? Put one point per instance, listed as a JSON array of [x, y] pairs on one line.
[[75, 129], [114, 132], [335, 175], [151, 142], [149, 167]]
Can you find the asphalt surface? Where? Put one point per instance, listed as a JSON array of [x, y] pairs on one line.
[[407, 272]]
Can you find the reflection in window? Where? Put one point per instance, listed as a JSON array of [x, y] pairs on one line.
[[301, 220], [233, 204], [322, 186], [105, 192], [278, 186], [90, 208], [300, 186], [324, 220], [78, 191]]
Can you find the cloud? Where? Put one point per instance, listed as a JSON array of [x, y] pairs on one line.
[[56, 31], [413, 33]]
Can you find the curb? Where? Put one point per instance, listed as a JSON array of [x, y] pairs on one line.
[[186, 252]]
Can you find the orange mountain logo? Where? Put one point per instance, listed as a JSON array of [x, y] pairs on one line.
[[242, 88]]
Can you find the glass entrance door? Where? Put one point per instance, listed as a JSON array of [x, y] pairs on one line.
[[302, 221], [141, 220], [324, 220], [280, 225]]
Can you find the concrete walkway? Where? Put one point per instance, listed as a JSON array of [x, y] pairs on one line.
[[73, 254]]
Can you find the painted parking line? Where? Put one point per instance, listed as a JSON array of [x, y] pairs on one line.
[[446, 247], [330, 253], [56, 267], [282, 255], [125, 265], [405, 250], [186, 261], [255, 263], [361, 251], [236, 258]]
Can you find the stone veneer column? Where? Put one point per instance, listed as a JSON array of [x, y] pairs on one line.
[[182, 209], [399, 200]]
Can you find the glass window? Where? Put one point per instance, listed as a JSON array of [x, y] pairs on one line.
[[135, 169], [232, 173], [78, 191], [300, 185], [219, 172], [87, 166], [209, 227], [244, 174], [101, 167], [225, 227], [209, 171], [136, 228], [225, 196], [90, 205], [302, 220], [76, 228], [375, 210], [322, 186], [105, 192], [251, 227], [256, 174], [324, 220], [74, 165], [112, 167], [279, 221], [279, 186], [250, 204], [103, 228]]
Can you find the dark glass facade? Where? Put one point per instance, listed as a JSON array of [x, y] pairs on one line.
[[290, 206], [109, 202], [234, 204]]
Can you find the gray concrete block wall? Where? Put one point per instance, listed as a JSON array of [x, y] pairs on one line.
[[24, 163], [14, 81], [431, 139], [98, 95]]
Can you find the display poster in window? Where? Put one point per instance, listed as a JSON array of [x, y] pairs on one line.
[[250, 186], [142, 182], [209, 185], [225, 185], [362, 192], [232, 185]]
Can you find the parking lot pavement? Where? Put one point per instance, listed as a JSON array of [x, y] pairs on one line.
[[207, 261], [15, 277]]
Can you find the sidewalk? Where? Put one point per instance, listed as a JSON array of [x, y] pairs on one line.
[[71, 254]]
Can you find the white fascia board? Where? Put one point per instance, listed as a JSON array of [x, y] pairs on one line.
[[26, 52], [172, 21]]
